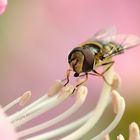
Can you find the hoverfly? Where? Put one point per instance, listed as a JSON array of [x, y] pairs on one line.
[[97, 51]]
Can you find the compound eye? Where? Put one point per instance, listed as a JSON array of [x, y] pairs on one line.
[[76, 74]]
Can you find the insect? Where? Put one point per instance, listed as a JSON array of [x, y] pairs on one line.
[[98, 51]]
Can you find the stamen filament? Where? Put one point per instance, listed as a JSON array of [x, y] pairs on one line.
[[121, 104], [18, 114], [101, 105], [134, 133], [55, 88], [43, 107], [106, 137], [80, 98], [21, 100], [93, 116], [57, 85]]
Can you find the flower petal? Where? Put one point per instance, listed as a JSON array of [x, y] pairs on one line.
[[3, 4], [7, 131]]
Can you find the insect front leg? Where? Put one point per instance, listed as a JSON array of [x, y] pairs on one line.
[[82, 82], [67, 77]]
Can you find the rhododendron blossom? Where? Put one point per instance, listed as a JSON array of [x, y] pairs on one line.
[[58, 94]]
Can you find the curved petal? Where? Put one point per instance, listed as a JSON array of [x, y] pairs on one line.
[[7, 131]]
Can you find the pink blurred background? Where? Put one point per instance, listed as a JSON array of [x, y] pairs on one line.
[[36, 37]]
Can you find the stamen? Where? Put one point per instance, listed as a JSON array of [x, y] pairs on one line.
[[116, 84], [101, 105], [21, 100], [43, 107], [25, 98], [64, 129], [91, 118], [80, 98], [18, 114], [115, 101], [44, 104], [106, 137], [55, 88], [44, 98], [120, 103], [134, 133], [120, 137]]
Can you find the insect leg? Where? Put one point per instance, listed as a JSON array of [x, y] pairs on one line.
[[67, 77], [86, 74], [110, 65], [100, 74]]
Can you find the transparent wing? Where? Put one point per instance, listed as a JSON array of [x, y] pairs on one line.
[[125, 42], [105, 35]]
